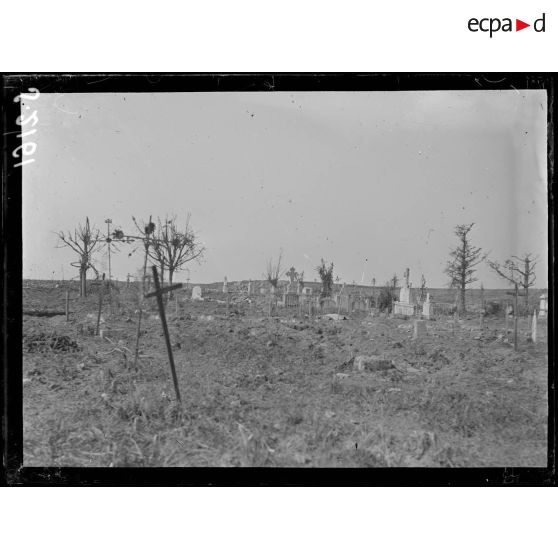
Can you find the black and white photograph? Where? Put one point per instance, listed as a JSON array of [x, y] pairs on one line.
[[280, 276]]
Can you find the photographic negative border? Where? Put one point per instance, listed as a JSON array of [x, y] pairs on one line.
[[12, 421]]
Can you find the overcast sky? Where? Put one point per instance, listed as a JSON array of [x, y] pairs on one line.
[[373, 181]]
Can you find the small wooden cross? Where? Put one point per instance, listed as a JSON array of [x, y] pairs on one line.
[[159, 292]]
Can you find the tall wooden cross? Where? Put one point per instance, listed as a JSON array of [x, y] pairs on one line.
[[159, 292]]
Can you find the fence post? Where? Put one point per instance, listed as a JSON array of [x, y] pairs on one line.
[[100, 308], [515, 318]]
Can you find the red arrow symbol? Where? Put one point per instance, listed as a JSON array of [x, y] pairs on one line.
[[519, 25]]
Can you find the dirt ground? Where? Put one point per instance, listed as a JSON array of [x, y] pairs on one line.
[[283, 391]]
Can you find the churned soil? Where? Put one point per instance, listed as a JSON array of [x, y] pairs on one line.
[[280, 391]]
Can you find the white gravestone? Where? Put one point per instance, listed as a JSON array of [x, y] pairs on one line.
[[197, 293], [225, 286], [534, 327], [426, 307], [543, 306], [404, 306]]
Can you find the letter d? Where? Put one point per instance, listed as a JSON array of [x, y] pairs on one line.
[[535, 25]]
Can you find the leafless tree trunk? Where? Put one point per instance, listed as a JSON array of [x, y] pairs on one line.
[[171, 246], [84, 241], [464, 259]]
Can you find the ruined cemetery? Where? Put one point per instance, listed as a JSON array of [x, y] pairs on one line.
[[281, 372], [306, 314]]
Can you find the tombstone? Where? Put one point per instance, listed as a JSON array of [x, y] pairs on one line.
[[249, 286], [543, 306], [404, 307], [426, 307], [344, 302], [534, 327], [405, 295], [419, 330], [225, 286], [197, 293]]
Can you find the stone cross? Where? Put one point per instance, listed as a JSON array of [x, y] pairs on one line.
[[292, 275], [406, 275]]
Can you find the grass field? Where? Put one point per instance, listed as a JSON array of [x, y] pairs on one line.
[[280, 391]]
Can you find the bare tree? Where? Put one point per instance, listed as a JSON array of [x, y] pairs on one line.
[[507, 271], [274, 270], [526, 270], [84, 241], [464, 259], [326, 276], [521, 275], [145, 230], [170, 246]]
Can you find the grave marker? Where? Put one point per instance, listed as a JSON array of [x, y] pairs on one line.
[[403, 306], [543, 305], [292, 275], [534, 327], [197, 293], [158, 293], [426, 307]]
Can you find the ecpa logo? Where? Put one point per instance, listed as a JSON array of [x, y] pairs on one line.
[[494, 24]]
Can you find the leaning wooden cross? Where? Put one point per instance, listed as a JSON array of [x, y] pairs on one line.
[[159, 292]]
